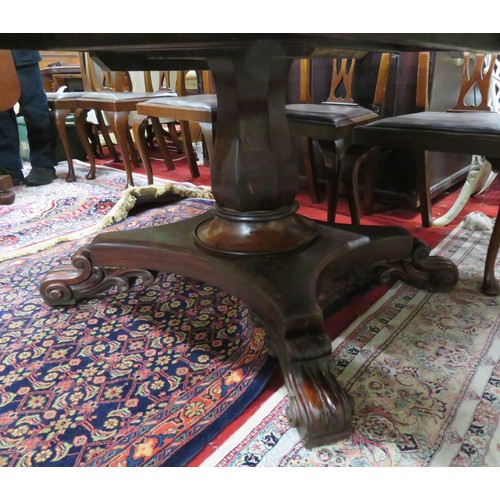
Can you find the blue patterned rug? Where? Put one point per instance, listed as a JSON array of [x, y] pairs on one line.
[[143, 378]]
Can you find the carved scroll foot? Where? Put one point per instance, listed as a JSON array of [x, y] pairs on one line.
[[68, 284], [437, 274], [319, 407]]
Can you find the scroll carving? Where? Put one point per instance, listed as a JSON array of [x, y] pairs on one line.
[[68, 284], [434, 273]]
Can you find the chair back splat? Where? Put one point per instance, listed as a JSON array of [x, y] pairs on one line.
[[342, 74], [479, 78]]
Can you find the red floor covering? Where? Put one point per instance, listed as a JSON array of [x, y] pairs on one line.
[[384, 215]]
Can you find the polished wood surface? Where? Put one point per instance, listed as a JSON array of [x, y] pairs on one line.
[[58, 57], [253, 243], [198, 46]]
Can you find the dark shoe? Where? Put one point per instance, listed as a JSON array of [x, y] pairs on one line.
[[17, 177], [40, 176]]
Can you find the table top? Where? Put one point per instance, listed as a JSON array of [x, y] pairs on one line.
[[151, 50], [206, 41]]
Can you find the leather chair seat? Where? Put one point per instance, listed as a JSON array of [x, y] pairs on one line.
[[474, 122], [441, 131], [206, 102], [125, 96], [329, 114], [53, 96]]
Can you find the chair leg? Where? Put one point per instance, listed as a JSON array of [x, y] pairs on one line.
[[139, 133], [332, 172], [188, 148], [174, 136], [423, 186], [490, 284], [81, 129], [165, 153], [132, 150], [310, 169], [93, 133], [370, 184], [355, 157], [60, 116], [207, 129], [107, 139], [121, 130]]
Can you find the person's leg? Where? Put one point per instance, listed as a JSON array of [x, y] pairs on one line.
[[10, 160], [40, 127]]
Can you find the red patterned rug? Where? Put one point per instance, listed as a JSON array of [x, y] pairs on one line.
[[144, 378]]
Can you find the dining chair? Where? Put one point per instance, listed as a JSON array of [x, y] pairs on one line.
[[331, 123], [118, 101], [476, 78], [185, 109], [465, 129], [64, 102], [111, 96]]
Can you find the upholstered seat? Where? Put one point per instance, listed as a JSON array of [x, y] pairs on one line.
[[53, 96], [125, 96], [336, 114], [437, 125], [206, 102]]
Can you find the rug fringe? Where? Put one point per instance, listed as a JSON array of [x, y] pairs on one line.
[[477, 221], [119, 212]]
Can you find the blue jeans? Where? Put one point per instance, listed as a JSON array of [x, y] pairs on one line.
[[34, 107]]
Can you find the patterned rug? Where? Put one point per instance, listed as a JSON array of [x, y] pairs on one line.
[[423, 371], [143, 378], [63, 211]]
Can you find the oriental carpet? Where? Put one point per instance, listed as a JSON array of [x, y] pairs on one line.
[[423, 370], [63, 211], [142, 378]]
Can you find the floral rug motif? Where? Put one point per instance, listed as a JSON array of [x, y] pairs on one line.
[[63, 211], [142, 378], [424, 372]]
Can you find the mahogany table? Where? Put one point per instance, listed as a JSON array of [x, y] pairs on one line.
[[253, 243]]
